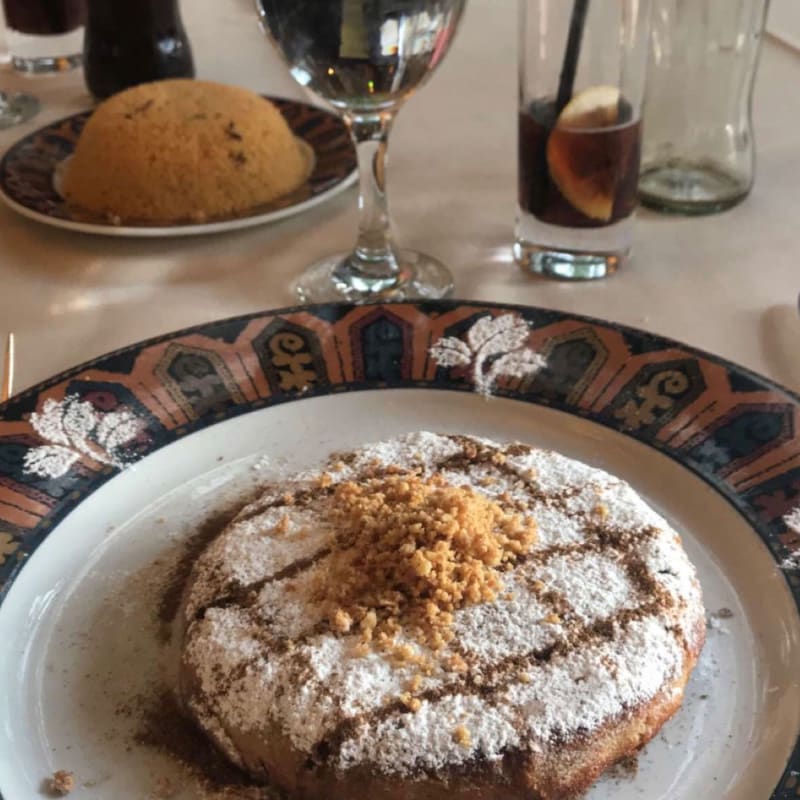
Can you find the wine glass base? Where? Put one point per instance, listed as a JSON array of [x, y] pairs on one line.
[[420, 278], [16, 108]]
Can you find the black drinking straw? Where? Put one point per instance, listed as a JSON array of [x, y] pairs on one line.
[[566, 83]]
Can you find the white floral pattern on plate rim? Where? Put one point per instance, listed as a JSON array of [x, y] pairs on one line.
[[495, 347]]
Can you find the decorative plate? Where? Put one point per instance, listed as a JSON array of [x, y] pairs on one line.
[[106, 468], [29, 176]]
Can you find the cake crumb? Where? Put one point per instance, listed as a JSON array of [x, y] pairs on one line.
[[415, 684], [722, 613], [462, 736], [60, 783], [601, 509], [552, 619]]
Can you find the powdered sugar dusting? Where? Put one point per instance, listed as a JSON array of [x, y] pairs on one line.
[[271, 663], [502, 630], [792, 561], [495, 348], [74, 428], [251, 552], [589, 686], [594, 587]]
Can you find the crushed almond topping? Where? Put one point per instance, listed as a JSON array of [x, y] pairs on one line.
[[498, 458], [462, 736], [410, 551], [524, 677], [413, 704], [538, 586], [601, 510], [325, 480], [455, 663], [61, 783], [342, 621], [288, 498], [339, 466], [403, 653], [509, 596], [362, 649], [415, 684], [553, 619]]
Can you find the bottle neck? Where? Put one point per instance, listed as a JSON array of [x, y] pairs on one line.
[[135, 14]]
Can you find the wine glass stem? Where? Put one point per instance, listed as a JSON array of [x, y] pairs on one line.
[[374, 256]]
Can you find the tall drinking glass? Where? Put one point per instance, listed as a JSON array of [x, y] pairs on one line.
[[365, 57], [45, 36], [582, 67]]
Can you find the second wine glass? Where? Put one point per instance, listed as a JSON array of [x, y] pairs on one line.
[[365, 57], [16, 108]]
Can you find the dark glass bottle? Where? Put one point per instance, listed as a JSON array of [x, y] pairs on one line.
[[134, 41]]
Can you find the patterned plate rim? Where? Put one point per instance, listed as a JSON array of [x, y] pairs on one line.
[[646, 386], [159, 231]]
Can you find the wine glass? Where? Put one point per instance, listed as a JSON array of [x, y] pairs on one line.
[[16, 107], [365, 57]]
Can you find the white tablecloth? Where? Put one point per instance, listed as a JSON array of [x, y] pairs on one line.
[[726, 283]]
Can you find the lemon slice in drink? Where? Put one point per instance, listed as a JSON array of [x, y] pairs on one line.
[[580, 163]]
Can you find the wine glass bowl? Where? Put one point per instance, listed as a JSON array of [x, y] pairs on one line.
[[365, 58], [16, 108]]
